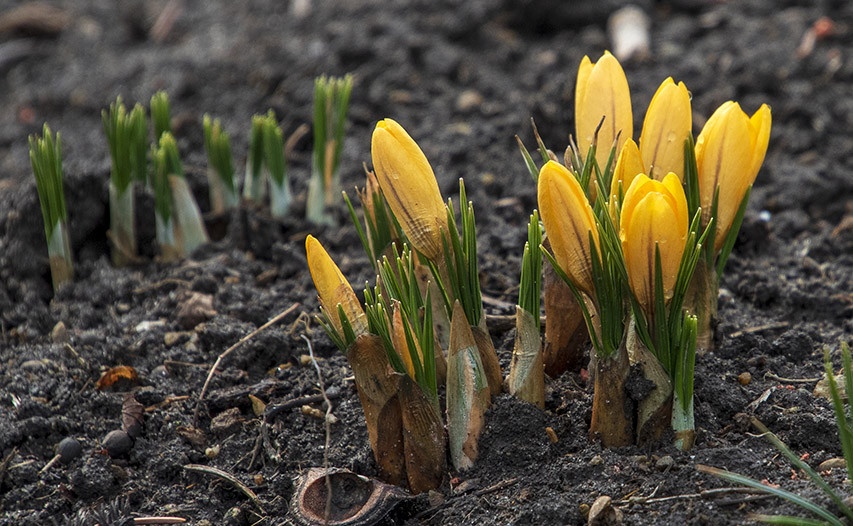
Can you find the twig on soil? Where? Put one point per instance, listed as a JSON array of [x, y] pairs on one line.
[[752, 406], [159, 520], [478, 493], [230, 478], [4, 466], [791, 380], [328, 426], [82, 361], [168, 401], [760, 328], [231, 349], [705, 494], [273, 410]]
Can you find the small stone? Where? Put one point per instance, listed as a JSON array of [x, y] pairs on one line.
[[468, 100], [59, 334], [552, 435], [234, 517], [258, 479], [68, 449], [583, 508], [304, 359], [172, 338], [597, 460], [117, 443], [744, 378], [602, 513], [832, 463], [227, 422], [664, 463], [194, 309], [212, 452]]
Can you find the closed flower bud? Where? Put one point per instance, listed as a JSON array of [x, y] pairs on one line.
[[629, 164], [569, 221], [654, 215], [333, 288], [602, 91], [666, 126], [729, 153], [410, 188]]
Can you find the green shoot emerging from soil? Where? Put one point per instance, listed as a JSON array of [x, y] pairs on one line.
[[331, 103], [180, 229], [276, 167], [127, 135], [161, 114], [220, 167], [46, 160]]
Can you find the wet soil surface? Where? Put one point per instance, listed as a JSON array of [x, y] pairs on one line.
[[463, 78]]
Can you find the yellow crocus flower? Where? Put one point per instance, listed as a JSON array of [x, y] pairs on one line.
[[409, 186], [654, 215], [666, 126], [729, 153], [602, 91], [333, 288], [629, 164], [568, 220]]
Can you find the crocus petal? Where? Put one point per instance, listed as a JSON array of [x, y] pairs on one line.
[[666, 126], [729, 152], [628, 165], [409, 186], [654, 217], [568, 220], [333, 288], [602, 91]]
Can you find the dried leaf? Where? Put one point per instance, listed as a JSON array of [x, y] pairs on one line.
[[467, 392], [377, 389], [258, 405], [119, 378], [565, 331], [132, 414], [526, 374], [423, 438]]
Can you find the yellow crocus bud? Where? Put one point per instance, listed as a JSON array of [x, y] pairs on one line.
[[410, 188], [602, 91], [654, 215], [568, 220], [333, 288], [729, 153], [668, 122], [629, 164]]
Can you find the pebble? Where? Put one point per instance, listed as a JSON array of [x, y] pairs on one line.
[[745, 378], [68, 449], [468, 100], [212, 452], [597, 460], [602, 513], [59, 334], [664, 463], [552, 435], [117, 443]]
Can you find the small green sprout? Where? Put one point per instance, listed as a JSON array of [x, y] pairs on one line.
[[331, 103], [127, 137], [161, 114], [46, 159], [180, 229], [220, 167]]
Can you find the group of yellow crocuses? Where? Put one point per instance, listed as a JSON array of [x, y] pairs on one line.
[[635, 210], [647, 182]]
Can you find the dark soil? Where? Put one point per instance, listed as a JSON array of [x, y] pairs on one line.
[[463, 78]]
